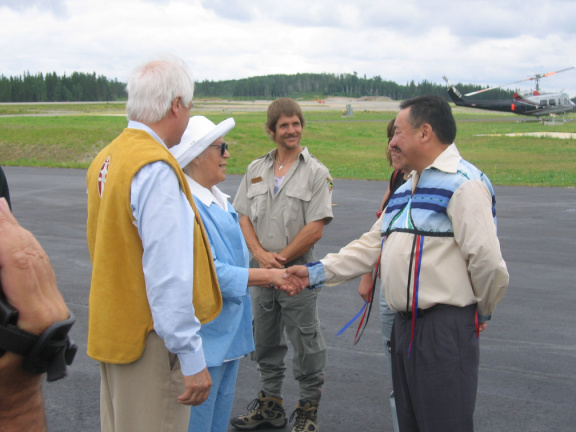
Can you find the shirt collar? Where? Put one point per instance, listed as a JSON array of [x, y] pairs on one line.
[[272, 154], [448, 160], [208, 196], [132, 124]]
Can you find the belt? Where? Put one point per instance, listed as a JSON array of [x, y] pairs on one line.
[[421, 312]]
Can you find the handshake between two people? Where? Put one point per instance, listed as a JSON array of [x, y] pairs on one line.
[[291, 280]]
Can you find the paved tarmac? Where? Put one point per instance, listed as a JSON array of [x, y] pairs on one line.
[[528, 352]]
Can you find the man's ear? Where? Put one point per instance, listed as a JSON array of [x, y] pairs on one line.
[[426, 132], [176, 105], [271, 134]]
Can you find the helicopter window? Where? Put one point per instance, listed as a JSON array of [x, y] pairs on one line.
[[552, 101], [543, 102]]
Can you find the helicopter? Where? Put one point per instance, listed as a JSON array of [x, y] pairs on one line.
[[533, 103]]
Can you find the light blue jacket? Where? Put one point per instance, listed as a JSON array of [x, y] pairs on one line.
[[229, 336]]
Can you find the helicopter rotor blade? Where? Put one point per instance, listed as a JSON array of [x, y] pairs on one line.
[[554, 73], [481, 91], [497, 87], [535, 77]]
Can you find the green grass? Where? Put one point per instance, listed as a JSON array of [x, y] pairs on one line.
[[60, 141], [63, 108], [350, 147]]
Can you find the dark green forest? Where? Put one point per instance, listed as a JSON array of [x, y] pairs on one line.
[[85, 87], [309, 85], [78, 87]]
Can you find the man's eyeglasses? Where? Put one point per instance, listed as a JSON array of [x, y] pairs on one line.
[[223, 147]]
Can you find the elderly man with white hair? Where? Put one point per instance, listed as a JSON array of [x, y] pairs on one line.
[[203, 155], [150, 289]]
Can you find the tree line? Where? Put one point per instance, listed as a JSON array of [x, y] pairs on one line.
[[50, 87], [85, 87], [320, 85]]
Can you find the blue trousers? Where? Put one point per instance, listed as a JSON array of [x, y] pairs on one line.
[[214, 414]]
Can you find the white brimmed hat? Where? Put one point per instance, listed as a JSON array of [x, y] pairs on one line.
[[199, 134]]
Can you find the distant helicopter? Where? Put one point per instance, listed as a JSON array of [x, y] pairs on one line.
[[529, 104]]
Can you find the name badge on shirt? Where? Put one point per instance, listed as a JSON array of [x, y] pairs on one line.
[[256, 180]]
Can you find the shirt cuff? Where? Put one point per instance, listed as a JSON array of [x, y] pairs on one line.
[[192, 363], [484, 318], [316, 274]]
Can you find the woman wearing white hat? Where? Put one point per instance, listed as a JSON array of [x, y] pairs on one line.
[[203, 155]]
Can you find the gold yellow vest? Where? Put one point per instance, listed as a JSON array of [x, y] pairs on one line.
[[119, 314]]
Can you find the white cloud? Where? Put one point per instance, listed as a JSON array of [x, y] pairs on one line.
[[481, 41], [56, 7]]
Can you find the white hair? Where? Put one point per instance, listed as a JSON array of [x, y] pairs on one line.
[[154, 85]]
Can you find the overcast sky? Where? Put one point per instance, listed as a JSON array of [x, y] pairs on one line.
[[486, 42]]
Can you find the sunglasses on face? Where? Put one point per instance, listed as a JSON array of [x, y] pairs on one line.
[[223, 147]]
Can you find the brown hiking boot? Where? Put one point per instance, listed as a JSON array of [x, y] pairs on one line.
[[306, 413], [264, 411]]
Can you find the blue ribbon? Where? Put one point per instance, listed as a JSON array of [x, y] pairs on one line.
[[352, 320]]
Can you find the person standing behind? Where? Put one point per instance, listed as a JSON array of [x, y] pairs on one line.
[[150, 289], [442, 269], [397, 179], [285, 199]]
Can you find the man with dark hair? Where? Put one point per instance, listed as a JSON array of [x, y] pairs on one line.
[[441, 269], [434, 111], [285, 199]]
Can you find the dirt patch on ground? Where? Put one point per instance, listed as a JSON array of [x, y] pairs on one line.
[[366, 103]]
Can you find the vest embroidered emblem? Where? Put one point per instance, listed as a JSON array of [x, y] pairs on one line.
[[102, 176]]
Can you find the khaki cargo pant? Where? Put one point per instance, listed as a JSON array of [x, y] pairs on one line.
[[276, 315]]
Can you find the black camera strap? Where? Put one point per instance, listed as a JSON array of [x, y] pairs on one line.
[[50, 352]]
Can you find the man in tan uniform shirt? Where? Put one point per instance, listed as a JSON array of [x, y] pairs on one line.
[[285, 199]]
